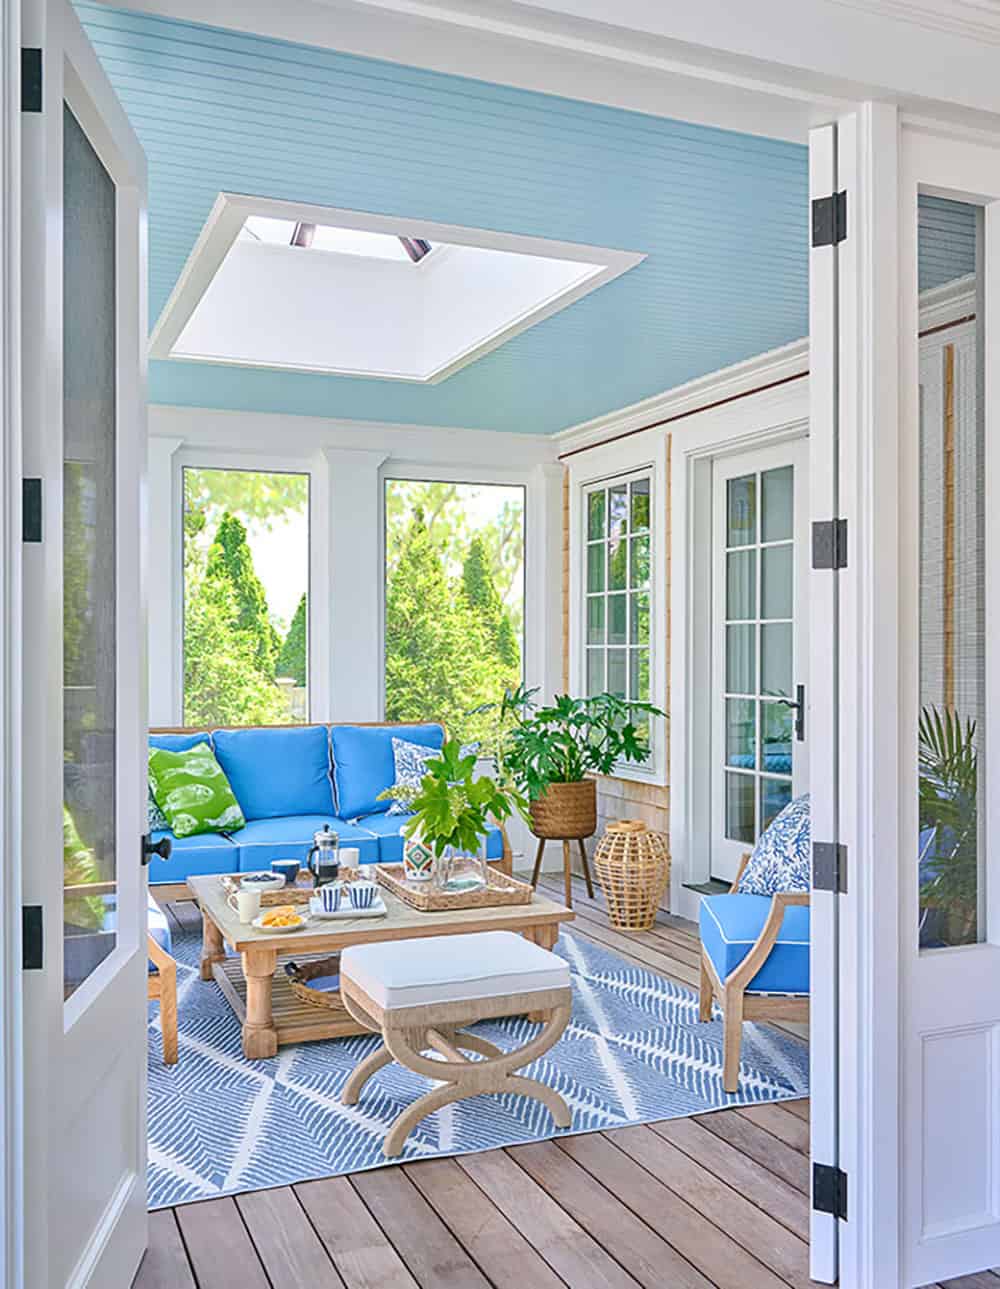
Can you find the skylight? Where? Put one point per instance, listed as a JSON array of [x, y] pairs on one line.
[[327, 237], [309, 288]]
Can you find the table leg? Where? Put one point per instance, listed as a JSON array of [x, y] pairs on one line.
[[260, 1038], [212, 948], [546, 936]]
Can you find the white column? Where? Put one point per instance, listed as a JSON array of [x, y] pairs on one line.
[[165, 586], [353, 588], [543, 580]]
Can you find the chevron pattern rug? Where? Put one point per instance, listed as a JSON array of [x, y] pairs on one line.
[[633, 1052]]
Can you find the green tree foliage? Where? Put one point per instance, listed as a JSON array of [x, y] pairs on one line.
[[264, 496], [230, 560], [444, 635], [292, 656]]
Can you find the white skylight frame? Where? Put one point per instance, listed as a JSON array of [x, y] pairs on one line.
[[223, 226]]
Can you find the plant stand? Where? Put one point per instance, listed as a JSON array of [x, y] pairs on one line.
[[567, 865]]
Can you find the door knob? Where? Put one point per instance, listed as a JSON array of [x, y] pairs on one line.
[[150, 848], [799, 708]]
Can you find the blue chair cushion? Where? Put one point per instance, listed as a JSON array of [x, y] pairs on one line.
[[159, 927], [278, 772], [179, 742], [364, 766], [291, 837], [782, 858], [390, 842], [730, 925], [208, 852]]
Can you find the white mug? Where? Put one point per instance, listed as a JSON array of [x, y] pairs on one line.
[[247, 905], [350, 857]]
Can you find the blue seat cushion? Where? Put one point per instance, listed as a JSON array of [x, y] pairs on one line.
[[208, 852], [179, 742], [364, 766], [278, 772], [730, 925], [390, 842], [291, 837]]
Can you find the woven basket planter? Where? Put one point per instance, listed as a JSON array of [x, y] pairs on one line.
[[566, 812], [633, 867]]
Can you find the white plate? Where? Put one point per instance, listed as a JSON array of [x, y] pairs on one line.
[[258, 924], [347, 911]]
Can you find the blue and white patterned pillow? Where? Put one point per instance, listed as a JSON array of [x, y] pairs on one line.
[[782, 858], [411, 766], [157, 821]]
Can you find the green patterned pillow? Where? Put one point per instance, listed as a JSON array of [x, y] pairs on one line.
[[193, 792]]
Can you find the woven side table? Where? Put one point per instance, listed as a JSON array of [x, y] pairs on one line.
[[633, 867]]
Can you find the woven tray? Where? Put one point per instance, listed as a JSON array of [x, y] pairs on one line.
[[299, 975], [500, 889], [301, 893]]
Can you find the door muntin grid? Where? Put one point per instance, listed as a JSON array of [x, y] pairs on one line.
[[758, 642]]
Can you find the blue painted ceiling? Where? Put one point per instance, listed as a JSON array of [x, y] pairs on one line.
[[721, 216]]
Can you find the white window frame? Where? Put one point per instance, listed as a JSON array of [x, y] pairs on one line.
[[642, 455]]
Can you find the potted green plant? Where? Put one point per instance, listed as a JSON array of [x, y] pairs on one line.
[[550, 752], [453, 810], [948, 791]]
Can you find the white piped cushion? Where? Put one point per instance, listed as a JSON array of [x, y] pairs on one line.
[[452, 968]]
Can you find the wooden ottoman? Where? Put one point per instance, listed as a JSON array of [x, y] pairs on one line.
[[420, 993]]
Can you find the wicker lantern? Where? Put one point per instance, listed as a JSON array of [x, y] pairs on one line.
[[633, 867]]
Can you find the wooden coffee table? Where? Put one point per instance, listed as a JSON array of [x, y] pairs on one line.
[[255, 984]]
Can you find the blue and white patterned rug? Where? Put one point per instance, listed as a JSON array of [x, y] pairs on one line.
[[634, 1051]]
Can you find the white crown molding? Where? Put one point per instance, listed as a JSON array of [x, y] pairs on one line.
[[730, 382], [941, 306], [976, 19]]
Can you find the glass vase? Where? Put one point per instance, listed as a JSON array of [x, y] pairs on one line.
[[461, 870]]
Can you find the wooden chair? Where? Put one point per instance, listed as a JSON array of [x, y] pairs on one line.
[[163, 986], [737, 1002]]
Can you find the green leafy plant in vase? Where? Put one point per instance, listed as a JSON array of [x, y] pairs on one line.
[[453, 811], [551, 752]]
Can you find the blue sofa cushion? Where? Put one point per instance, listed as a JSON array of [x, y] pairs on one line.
[[390, 842], [278, 772], [730, 925], [363, 763], [207, 852], [179, 742], [291, 836]]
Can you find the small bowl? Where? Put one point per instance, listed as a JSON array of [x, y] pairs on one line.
[[262, 881], [362, 894]]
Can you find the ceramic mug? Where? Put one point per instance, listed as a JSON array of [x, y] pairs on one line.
[[330, 896], [247, 904], [350, 857], [363, 894], [288, 868]]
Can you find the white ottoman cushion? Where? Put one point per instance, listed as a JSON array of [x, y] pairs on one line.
[[452, 968]]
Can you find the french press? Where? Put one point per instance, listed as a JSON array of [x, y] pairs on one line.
[[323, 860]]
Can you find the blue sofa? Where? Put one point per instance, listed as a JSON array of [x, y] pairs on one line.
[[290, 781]]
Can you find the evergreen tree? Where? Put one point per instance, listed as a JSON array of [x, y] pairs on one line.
[[231, 560], [484, 600], [292, 657]]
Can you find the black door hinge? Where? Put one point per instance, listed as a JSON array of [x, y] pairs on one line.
[[31, 510], [830, 1190], [829, 867], [829, 543], [31, 80], [32, 940], [829, 219]]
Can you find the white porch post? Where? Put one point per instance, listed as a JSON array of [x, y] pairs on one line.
[[351, 594], [543, 580], [165, 603]]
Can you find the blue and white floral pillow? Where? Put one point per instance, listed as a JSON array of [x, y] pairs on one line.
[[411, 766], [782, 858]]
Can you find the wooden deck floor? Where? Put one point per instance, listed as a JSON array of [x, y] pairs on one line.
[[716, 1200]]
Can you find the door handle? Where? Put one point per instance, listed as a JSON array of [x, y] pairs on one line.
[[799, 708], [150, 848]]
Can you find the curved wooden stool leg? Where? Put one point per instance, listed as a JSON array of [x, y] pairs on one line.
[[549, 1097], [473, 1043], [362, 1072], [586, 868], [405, 1122]]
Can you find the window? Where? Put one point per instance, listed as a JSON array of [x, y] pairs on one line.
[[246, 616], [454, 600], [325, 237], [617, 578]]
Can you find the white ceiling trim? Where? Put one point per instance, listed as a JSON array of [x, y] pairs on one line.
[[977, 19], [231, 210]]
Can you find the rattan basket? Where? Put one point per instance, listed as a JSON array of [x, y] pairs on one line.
[[633, 867], [299, 975], [567, 811]]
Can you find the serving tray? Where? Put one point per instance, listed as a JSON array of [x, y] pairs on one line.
[[499, 889]]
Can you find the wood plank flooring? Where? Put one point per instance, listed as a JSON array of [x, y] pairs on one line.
[[719, 1200]]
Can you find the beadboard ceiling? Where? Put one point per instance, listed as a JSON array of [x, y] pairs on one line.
[[721, 217]]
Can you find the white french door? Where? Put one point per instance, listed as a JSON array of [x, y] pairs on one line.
[[759, 644], [949, 706], [84, 330]]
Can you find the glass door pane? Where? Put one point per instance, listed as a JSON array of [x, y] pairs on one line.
[[89, 522]]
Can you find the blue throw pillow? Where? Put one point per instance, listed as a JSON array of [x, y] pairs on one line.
[[781, 860], [411, 766]]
